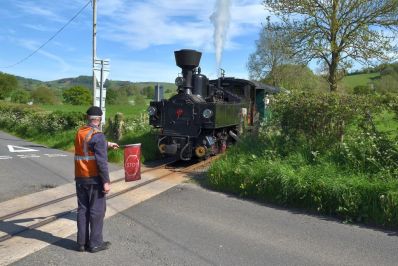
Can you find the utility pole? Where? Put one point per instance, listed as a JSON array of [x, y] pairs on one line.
[[94, 44], [100, 69]]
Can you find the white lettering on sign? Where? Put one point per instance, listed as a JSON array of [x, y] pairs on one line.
[[5, 157], [13, 148]]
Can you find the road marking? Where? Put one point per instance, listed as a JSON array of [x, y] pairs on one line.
[[27, 242], [23, 156], [11, 148], [55, 155]]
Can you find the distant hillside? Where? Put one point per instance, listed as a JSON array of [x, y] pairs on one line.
[[86, 81], [28, 84], [65, 83]]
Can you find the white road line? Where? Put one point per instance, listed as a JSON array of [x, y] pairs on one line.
[[28, 156], [55, 155], [13, 148], [24, 156]]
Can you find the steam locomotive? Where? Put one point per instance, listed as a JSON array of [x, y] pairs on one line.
[[205, 116]]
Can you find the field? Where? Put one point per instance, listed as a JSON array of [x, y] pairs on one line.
[[128, 110], [359, 79]]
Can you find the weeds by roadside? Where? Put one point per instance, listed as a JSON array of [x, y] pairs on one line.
[[321, 153]]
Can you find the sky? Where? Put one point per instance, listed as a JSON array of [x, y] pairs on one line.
[[139, 37]]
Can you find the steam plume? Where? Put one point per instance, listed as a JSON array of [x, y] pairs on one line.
[[220, 19]]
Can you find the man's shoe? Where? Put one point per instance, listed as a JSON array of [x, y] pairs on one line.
[[104, 246], [81, 248]]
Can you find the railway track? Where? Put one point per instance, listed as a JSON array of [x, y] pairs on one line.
[[52, 210], [38, 206]]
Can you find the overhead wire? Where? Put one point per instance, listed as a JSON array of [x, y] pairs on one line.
[[50, 39]]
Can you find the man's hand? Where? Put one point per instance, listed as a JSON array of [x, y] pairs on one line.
[[107, 188], [113, 145]]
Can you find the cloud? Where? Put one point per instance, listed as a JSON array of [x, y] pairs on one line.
[[32, 45], [33, 8], [142, 24], [38, 27], [143, 70]]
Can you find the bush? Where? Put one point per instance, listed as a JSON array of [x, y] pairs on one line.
[[387, 84], [293, 181], [134, 130], [320, 152], [44, 95], [58, 128], [29, 121], [77, 95], [363, 90], [8, 83], [116, 96], [320, 119], [20, 96]]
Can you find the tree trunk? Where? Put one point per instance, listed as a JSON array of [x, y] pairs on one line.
[[333, 73]]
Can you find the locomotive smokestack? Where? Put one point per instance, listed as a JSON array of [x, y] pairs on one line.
[[187, 60]]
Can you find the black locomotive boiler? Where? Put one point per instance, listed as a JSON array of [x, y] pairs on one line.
[[205, 116]]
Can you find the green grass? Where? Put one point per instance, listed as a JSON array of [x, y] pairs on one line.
[[60, 140], [149, 150], [252, 170], [359, 79], [136, 123], [128, 110]]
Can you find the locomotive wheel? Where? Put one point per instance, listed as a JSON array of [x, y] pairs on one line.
[[162, 148], [200, 151]]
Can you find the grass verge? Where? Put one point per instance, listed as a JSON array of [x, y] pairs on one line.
[[254, 171]]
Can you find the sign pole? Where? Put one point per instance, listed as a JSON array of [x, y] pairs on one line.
[[101, 72]]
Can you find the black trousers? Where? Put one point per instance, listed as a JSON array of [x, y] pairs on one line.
[[91, 202]]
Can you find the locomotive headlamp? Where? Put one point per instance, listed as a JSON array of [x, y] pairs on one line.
[[179, 81], [151, 110], [207, 113]]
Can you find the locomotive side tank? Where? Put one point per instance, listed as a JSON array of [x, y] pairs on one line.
[[205, 116]]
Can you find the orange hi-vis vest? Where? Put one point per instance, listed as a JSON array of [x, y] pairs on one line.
[[85, 162]]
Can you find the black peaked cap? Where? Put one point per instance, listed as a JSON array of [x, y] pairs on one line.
[[95, 111]]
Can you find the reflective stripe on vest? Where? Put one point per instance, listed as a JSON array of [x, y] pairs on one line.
[[84, 158], [85, 162]]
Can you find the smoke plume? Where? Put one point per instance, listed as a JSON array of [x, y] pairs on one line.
[[220, 19]]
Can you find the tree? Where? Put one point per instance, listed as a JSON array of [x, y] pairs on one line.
[[20, 96], [77, 95], [139, 99], [118, 96], [8, 83], [111, 96], [297, 77], [44, 95], [387, 83], [131, 89], [336, 32], [149, 92], [271, 52]]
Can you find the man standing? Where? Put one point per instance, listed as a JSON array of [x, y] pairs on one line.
[[92, 182]]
